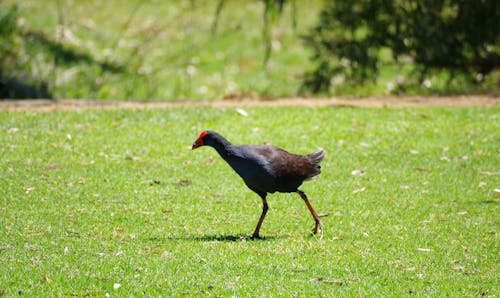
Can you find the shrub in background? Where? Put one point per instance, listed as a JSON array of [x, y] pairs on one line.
[[458, 36]]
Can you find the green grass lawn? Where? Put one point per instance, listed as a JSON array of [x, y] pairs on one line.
[[99, 203]]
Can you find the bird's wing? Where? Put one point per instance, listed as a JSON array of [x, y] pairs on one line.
[[287, 166], [252, 167]]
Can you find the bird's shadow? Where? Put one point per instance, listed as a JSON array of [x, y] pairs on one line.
[[214, 238], [231, 238]]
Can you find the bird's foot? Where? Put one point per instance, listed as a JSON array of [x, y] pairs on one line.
[[255, 237], [318, 226]]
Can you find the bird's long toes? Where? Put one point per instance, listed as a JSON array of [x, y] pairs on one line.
[[317, 227], [320, 231]]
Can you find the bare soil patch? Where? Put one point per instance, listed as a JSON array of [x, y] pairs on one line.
[[382, 101]]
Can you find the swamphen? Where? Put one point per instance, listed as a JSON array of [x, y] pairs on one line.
[[267, 169]]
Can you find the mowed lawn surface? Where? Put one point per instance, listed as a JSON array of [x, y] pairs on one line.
[[99, 203]]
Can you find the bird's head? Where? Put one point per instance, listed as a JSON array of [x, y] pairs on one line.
[[199, 141]]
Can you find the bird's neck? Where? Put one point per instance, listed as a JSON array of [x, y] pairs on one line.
[[222, 146]]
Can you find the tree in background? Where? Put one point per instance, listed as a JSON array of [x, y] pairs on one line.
[[272, 10], [459, 36]]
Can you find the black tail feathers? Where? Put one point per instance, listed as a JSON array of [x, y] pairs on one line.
[[316, 157]]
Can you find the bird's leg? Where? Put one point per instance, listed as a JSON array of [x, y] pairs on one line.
[[313, 213], [262, 215]]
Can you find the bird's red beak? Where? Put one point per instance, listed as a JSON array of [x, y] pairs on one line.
[[197, 143]]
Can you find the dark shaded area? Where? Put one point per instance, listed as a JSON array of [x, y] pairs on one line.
[[21, 89], [65, 55]]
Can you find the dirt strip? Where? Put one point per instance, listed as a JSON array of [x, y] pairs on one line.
[[383, 101]]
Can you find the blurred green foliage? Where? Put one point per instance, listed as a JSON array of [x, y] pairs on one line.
[[148, 50], [185, 49], [456, 41]]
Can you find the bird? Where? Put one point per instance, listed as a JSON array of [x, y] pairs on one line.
[[267, 169]]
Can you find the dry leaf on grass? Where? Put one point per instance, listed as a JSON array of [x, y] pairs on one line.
[[242, 112], [50, 166], [185, 182], [359, 190], [29, 189], [459, 268], [488, 173], [358, 173], [332, 281]]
